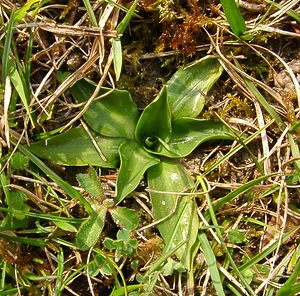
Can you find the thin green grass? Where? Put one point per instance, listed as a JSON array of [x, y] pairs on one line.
[[60, 270], [12, 68], [7, 46], [213, 218], [292, 13], [90, 12], [234, 17], [64, 185], [238, 147]]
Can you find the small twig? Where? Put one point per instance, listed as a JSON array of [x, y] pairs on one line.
[[69, 30]]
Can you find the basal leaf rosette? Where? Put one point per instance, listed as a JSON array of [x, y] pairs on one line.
[[158, 137], [150, 144]]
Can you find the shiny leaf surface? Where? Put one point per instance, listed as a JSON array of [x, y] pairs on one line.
[[188, 133], [155, 122], [74, 148], [113, 115], [134, 163], [181, 223], [188, 86]]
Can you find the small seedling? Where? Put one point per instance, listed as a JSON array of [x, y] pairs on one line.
[[124, 245], [90, 230]]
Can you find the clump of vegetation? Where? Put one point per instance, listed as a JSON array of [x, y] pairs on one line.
[[79, 217]]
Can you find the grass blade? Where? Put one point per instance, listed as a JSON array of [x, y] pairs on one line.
[[260, 98], [234, 17], [90, 12], [117, 46], [213, 218], [289, 287], [24, 240], [242, 189], [211, 261], [59, 273], [267, 251], [292, 13], [236, 149], [42, 216], [7, 45], [20, 86], [58, 180], [118, 59], [125, 21]]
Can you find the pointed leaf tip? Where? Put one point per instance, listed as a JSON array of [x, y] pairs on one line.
[[189, 85], [134, 163], [155, 121]]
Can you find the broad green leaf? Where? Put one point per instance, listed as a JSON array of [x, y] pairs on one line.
[[155, 122], [91, 183], [122, 291], [109, 243], [134, 163], [181, 224], [125, 217], [172, 266], [160, 147], [123, 245], [75, 148], [248, 274], [189, 85], [90, 230], [101, 264], [113, 115], [123, 235], [234, 17], [188, 133]]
